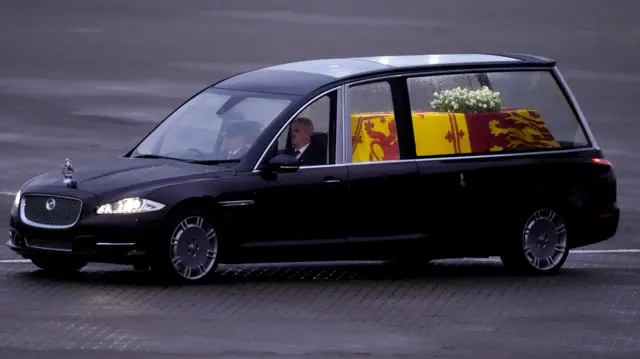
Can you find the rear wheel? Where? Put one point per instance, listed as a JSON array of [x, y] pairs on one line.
[[59, 265], [189, 250], [542, 247]]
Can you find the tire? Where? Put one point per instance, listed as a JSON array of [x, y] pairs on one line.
[[187, 251], [538, 244], [59, 265]]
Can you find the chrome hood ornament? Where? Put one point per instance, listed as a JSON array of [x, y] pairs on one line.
[[67, 172]]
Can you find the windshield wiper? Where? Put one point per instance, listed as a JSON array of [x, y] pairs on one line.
[[160, 157], [199, 162]]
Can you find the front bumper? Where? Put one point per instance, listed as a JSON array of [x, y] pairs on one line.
[[117, 239]]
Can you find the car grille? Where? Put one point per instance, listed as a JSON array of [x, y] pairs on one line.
[[50, 211], [49, 244]]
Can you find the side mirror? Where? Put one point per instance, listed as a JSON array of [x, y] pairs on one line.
[[283, 163]]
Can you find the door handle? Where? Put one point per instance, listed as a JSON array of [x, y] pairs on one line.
[[331, 180]]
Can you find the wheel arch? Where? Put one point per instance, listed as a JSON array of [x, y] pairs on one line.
[[565, 204], [207, 203]]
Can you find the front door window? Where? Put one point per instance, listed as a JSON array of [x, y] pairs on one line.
[[309, 136]]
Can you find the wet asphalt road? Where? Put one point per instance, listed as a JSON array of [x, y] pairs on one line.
[[86, 78]]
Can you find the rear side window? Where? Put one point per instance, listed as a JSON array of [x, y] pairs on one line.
[[373, 124], [479, 113]]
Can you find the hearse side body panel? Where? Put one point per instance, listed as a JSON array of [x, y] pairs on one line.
[[462, 204]]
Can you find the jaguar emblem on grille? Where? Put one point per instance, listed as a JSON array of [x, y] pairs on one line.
[[50, 205], [67, 172]]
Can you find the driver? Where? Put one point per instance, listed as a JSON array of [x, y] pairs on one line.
[[236, 142]]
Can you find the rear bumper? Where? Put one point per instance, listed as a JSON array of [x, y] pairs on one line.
[[595, 228]]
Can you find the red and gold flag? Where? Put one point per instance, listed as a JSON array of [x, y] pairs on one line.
[[441, 133], [509, 129], [373, 137]]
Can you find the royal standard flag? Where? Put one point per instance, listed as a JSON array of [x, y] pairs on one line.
[[373, 137], [509, 129], [442, 133]]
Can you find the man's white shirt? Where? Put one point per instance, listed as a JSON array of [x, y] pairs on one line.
[[231, 154], [301, 150]]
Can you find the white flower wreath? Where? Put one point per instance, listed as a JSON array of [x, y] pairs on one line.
[[464, 101]]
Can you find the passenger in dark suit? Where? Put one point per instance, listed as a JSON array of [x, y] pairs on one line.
[[309, 153]]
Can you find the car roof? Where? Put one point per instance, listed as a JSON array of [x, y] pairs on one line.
[[303, 77]]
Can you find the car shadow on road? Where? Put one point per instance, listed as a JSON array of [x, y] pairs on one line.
[[463, 271]]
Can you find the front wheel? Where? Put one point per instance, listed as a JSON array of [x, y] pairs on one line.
[[189, 250], [542, 247]]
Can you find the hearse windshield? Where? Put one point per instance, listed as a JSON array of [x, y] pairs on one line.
[[216, 125]]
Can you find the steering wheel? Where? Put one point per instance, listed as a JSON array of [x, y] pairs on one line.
[[196, 151]]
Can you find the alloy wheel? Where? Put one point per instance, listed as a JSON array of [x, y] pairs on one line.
[[193, 248], [544, 240]]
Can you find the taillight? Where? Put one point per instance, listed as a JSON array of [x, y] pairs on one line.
[[602, 161]]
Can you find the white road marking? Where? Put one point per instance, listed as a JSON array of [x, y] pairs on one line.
[[604, 251], [7, 193], [491, 259]]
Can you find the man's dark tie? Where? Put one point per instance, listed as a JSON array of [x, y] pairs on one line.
[[295, 154]]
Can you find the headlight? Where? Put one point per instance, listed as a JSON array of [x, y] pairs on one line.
[[130, 205], [16, 201]]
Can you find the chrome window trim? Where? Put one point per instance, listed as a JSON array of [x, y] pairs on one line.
[[457, 158], [28, 222], [339, 129], [483, 156], [574, 103], [427, 72], [306, 168], [302, 108], [346, 125]]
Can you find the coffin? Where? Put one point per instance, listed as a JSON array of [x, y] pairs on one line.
[[442, 133]]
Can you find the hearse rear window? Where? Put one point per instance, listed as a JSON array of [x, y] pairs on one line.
[[492, 112]]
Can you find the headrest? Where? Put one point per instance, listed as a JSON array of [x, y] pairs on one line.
[[319, 138]]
